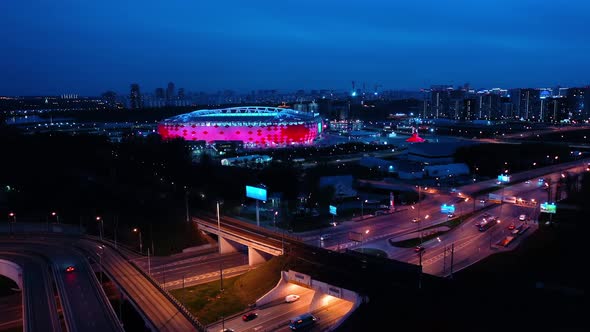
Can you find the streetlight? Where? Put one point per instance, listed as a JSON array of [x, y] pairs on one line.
[[99, 219], [100, 261], [54, 214], [363, 238], [12, 216], [363, 208], [137, 230], [274, 218], [218, 217]]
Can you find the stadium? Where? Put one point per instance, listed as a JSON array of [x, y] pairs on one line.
[[256, 127]]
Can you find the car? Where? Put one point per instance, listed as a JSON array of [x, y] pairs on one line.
[[414, 220], [303, 322], [324, 237], [522, 217], [226, 330], [249, 316], [291, 298], [334, 223], [482, 201], [451, 215], [418, 249], [511, 226], [70, 268], [527, 182]]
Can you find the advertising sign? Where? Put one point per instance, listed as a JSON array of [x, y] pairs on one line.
[[504, 178], [333, 210], [548, 208], [256, 193]]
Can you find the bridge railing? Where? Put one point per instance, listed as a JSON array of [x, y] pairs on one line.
[[179, 306]]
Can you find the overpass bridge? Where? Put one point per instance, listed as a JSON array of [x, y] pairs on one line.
[[232, 232]]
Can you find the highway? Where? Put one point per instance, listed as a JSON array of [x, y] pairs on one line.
[[41, 313], [161, 312], [84, 305], [277, 315], [195, 270], [469, 244]]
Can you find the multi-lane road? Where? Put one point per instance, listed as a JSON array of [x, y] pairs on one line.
[[82, 301], [465, 244], [80, 296]]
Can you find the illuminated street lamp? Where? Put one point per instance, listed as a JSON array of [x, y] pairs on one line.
[[137, 230], [363, 208], [12, 217], [99, 219], [54, 214]]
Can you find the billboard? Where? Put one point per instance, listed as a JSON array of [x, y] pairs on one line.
[[447, 208], [548, 208], [256, 193], [333, 210], [504, 178]]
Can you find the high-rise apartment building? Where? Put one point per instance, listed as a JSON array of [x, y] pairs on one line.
[[170, 91], [576, 102], [135, 101], [526, 103]]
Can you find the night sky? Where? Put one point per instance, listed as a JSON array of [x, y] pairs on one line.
[[87, 47]]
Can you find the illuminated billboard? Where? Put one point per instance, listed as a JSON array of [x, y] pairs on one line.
[[548, 208], [504, 178], [447, 208], [256, 193], [333, 210]]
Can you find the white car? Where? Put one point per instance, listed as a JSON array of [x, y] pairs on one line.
[[291, 298], [522, 217], [324, 237]]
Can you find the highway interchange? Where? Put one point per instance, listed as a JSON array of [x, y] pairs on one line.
[[469, 244], [76, 302]]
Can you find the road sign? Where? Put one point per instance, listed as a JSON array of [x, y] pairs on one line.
[[504, 178], [447, 208], [548, 208]]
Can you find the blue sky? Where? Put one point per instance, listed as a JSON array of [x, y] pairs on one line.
[[87, 47]]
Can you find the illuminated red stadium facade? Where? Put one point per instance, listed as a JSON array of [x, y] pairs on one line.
[[255, 126]]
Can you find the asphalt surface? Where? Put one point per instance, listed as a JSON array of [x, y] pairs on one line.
[[84, 305], [465, 244]]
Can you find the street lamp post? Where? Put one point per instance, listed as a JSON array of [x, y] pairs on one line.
[[218, 205], [137, 230], [99, 219], [54, 214], [274, 219], [363, 239], [100, 262], [363, 208], [12, 220]]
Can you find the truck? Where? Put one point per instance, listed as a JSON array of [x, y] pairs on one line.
[[509, 199]]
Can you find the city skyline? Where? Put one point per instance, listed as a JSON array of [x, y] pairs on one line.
[[67, 47]]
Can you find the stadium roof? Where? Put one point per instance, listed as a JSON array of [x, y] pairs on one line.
[[245, 113]]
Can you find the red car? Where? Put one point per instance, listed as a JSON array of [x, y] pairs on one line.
[[418, 249], [70, 269], [249, 316]]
